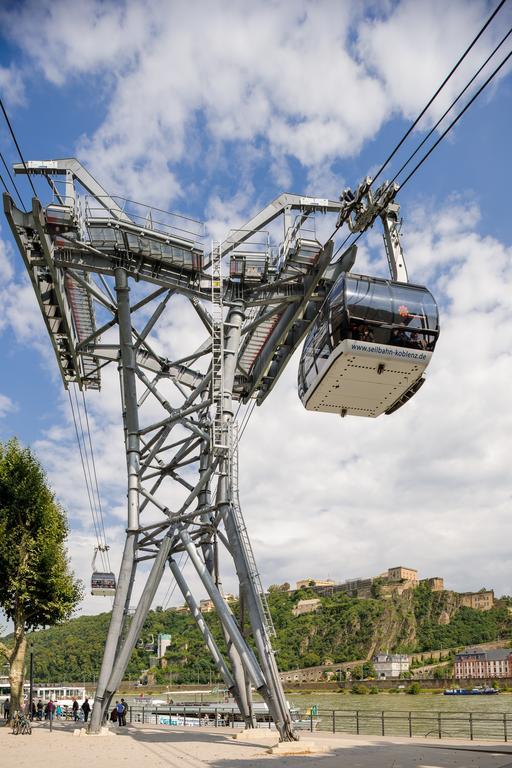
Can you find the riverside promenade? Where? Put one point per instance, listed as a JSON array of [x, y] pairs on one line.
[[160, 747]]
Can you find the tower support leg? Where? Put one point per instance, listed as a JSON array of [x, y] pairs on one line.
[[202, 626], [132, 444], [248, 659], [146, 599], [273, 691]]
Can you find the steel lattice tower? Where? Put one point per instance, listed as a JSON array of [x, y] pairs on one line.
[[90, 255]]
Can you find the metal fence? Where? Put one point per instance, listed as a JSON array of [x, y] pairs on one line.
[[466, 725], [440, 725], [188, 716]]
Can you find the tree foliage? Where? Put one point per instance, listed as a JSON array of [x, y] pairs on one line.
[[36, 586]]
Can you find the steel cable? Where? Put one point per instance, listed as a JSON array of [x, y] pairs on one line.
[[445, 132], [436, 94], [454, 102], [17, 146], [470, 102], [12, 182], [88, 490], [424, 110], [100, 508]]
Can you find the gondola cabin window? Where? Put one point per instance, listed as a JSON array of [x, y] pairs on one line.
[[366, 353]]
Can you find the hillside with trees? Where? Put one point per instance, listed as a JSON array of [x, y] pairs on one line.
[[343, 629]]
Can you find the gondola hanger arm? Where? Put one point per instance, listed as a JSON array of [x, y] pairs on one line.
[[364, 206]]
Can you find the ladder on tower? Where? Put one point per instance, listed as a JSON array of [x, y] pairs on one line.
[[239, 522], [219, 442]]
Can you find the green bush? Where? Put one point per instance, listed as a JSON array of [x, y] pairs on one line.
[[373, 689], [359, 689], [413, 689]]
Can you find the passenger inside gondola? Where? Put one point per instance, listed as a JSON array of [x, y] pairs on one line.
[[367, 334], [377, 310]]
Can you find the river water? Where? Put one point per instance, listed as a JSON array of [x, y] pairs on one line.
[[433, 715], [404, 714], [393, 702]]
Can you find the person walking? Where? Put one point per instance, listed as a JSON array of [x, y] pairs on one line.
[[120, 709], [39, 710], [7, 708], [113, 714], [74, 707], [58, 712], [34, 711], [86, 708]]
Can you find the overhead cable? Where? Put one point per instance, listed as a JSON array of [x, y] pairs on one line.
[[454, 102], [4, 184], [88, 490], [444, 133], [12, 181], [100, 508], [436, 94], [17, 146], [456, 119]]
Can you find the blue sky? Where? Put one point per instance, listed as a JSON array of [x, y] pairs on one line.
[[212, 110]]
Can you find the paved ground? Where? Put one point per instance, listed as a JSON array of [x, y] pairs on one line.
[[159, 747]]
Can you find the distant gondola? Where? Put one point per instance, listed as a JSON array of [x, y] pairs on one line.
[[102, 583], [367, 351]]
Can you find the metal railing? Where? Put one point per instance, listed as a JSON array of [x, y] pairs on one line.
[[495, 726], [185, 715], [428, 723]]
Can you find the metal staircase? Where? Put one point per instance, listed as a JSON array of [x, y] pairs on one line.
[[239, 521]]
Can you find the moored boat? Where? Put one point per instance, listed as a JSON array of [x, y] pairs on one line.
[[481, 690]]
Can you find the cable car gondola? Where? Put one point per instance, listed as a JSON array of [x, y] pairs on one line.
[[102, 583], [366, 353], [150, 645]]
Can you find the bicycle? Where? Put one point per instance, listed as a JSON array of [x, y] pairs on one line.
[[21, 724]]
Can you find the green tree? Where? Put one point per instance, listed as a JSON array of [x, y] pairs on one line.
[[369, 670], [37, 587]]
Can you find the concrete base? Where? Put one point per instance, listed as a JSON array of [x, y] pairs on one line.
[[258, 734], [298, 748], [104, 731]]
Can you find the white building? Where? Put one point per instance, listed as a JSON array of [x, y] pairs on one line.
[[391, 665], [163, 642]]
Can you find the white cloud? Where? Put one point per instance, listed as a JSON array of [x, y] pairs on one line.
[[414, 47], [6, 268], [427, 485], [313, 82], [6, 405], [12, 86], [19, 311]]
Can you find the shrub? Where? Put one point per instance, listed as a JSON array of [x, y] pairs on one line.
[[413, 689], [359, 689]]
